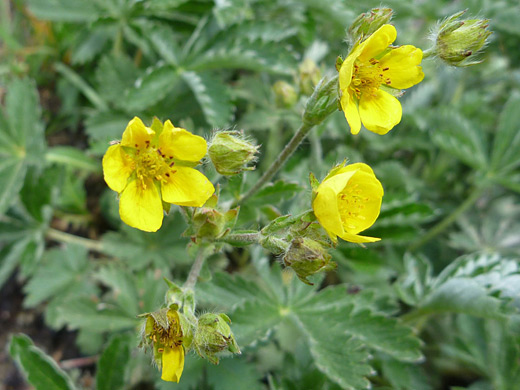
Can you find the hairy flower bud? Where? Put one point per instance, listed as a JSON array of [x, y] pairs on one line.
[[284, 94], [230, 152], [307, 257], [309, 76], [369, 22], [457, 42], [214, 335], [322, 102]]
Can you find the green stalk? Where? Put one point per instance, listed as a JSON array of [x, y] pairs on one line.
[[241, 239], [202, 254], [58, 235], [282, 158], [448, 220]]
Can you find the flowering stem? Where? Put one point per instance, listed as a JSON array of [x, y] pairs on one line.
[[428, 53], [191, 281], [289, 149], [446, 222], [58, 235]]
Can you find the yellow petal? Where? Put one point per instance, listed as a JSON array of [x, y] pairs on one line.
[[358, 239], [351, 112], [141, 207], [325, 208], [402, 63], [345, 72], [337, 182], [369, 192], [357, 167], [380, 111], [117, 167], [187, 187], [136, 134], [181, 144], [378, 42], [172, 363]]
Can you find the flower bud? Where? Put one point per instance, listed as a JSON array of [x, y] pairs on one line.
[[284, 94], [230, 152], [322, 102], [309, 76], [307, 257], [213, 336], [368, 22], [457, 42]]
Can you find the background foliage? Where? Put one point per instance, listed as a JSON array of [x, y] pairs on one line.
[[415, 311]]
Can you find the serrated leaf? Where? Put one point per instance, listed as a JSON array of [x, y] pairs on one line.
[[243, 55], [58, 273], [40, 369], [64, 10], [74, 158], [151, 88], [110, 373], [103, 127], [163, 40], [254, 321], [121, 282], [21, 138], [405, 376], [461, 138], [114, 75], [212, 96], [505, 156], [91, 44]]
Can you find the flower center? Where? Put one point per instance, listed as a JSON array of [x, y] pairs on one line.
[[170, 337], [367, 77], [151, 163], [351, 203]]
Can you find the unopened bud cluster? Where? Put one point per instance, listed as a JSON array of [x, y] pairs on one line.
[[457, 42], [214, 335]]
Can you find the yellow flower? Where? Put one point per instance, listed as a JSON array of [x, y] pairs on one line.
[[369, 73], [163, 329], [348, 201], [152, 165]]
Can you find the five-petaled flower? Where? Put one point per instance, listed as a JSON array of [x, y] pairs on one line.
[[152, 165], [348, 201], [370, 76]]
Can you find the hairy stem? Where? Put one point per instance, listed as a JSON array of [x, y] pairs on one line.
[[448, 220], [191, 280], [58, 235], [241, 239], [282, 158]]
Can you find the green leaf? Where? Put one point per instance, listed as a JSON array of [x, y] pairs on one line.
[[163, 40], [461, 138], [103, 127], [57, 275], [505, 156], [110, 373], [276, 192], [151, 88], [21, 138], [405, 376], [40, 369], [72, 157], [122, 284], [234, 374], [64, 10], [243, 55], [212, 96], [114, 75]]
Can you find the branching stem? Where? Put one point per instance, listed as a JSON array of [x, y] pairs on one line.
[[58, 235]]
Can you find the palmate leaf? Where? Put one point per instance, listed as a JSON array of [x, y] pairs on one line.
[[41, 371], [338, 329]]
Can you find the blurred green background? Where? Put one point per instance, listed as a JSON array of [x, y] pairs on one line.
[[73, 277]]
